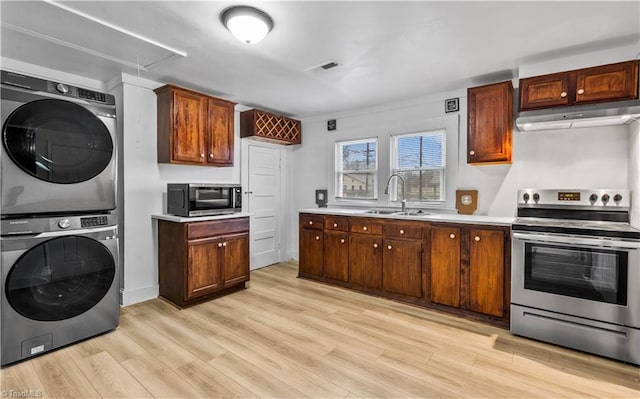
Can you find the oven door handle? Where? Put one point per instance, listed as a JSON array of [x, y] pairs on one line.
[[571, 240]]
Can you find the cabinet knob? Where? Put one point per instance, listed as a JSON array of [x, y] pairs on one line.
[[401, 231], [310, 222], [389, 247], [224, 244], [342, 240], [477, 238], [580, 91], [563, 94], [335, 225], [210, 155], [202, 155], [219, 245], [375, 245], [317, 238], [452, 235], [472, 152], [364, 228]]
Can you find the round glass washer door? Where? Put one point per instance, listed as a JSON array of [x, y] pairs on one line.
[[60, 278], [57, 141]]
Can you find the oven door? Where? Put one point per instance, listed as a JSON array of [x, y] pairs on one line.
[[590, 277]]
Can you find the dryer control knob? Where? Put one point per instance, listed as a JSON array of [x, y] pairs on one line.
[[64, 223], [62, 88]]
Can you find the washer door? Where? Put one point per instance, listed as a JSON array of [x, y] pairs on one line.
[[60, 278], [57, 141]]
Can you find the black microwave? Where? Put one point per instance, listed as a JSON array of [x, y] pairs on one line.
[[198, 199]]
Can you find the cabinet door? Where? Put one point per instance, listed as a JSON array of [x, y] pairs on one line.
[[336, 255], [220, 123], [311, 252], [486, 272], [402, 267], [544, 91], [490, 123], [235, 260], [445, 265], [189, 112], [203, 267], [607, 82], [365, 260]]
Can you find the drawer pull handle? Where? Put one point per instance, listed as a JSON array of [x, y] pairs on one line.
[[317, 238], [401, 231], [452, 235], [580, 91], [563, 94], [477, 238], [335, 225], [219, 245], [389, 247], [342, 241], [364, 228], [375, 245], [310, 222]]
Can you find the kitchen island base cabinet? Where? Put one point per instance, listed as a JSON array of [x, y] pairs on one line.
[[201, 260]]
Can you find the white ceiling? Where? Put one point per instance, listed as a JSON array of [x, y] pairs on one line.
[[388, 51]]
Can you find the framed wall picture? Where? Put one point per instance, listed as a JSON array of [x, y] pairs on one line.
[[452, 105]]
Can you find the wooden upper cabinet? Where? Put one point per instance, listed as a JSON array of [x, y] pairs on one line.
[[490, 123], [612, 82], [194, 128], [607, 83], [270, 127], [544, 91]]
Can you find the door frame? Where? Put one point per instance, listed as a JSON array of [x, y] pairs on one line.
[[285, 197]]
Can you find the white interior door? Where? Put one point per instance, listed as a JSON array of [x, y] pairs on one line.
[[264, 203]]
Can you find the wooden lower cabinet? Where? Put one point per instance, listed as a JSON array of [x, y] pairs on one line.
[[459, 268], [365, 260], [200, 260]]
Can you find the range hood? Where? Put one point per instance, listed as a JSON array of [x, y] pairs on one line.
[[604, 114]]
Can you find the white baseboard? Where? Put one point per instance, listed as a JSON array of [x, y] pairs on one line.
[[130, 297]]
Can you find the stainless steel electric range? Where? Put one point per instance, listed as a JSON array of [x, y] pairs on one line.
[[576, 271]]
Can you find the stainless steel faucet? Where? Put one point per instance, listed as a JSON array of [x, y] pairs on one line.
[[404, 200]]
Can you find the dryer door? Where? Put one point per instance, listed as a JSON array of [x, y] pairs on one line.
[[60, 278], [57, 141]]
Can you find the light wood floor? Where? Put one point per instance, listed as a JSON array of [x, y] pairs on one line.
[[290, 338]]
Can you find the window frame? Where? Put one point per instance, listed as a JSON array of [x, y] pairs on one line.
[[394, 166], [339, 171]]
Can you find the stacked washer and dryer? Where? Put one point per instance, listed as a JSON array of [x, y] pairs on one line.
[[58, 232]]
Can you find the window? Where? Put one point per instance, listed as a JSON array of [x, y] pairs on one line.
[[420, 159], [357, 166]]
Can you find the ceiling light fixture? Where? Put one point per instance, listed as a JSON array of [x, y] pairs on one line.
[[247, 24]]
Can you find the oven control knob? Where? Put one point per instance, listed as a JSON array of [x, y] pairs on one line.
[[617, 198], [64, 89], [525, 197], [605, 198], [536, 197], [64, 223], [593, 198]]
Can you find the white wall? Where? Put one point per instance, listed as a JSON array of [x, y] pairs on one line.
[[634, 172]]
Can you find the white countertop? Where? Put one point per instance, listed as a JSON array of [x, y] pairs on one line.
[[428, 217], [182, 219]]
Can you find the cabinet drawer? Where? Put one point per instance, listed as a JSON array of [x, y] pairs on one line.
[[403, 230], [339, 223], [216, 227], [311, 221], [365, 226]]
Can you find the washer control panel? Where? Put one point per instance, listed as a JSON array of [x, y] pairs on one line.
[[94, 221]]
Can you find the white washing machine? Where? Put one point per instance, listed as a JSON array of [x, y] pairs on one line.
[[58, 150], [59, 282]]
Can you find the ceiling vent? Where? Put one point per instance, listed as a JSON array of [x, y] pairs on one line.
[[325, 65]]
